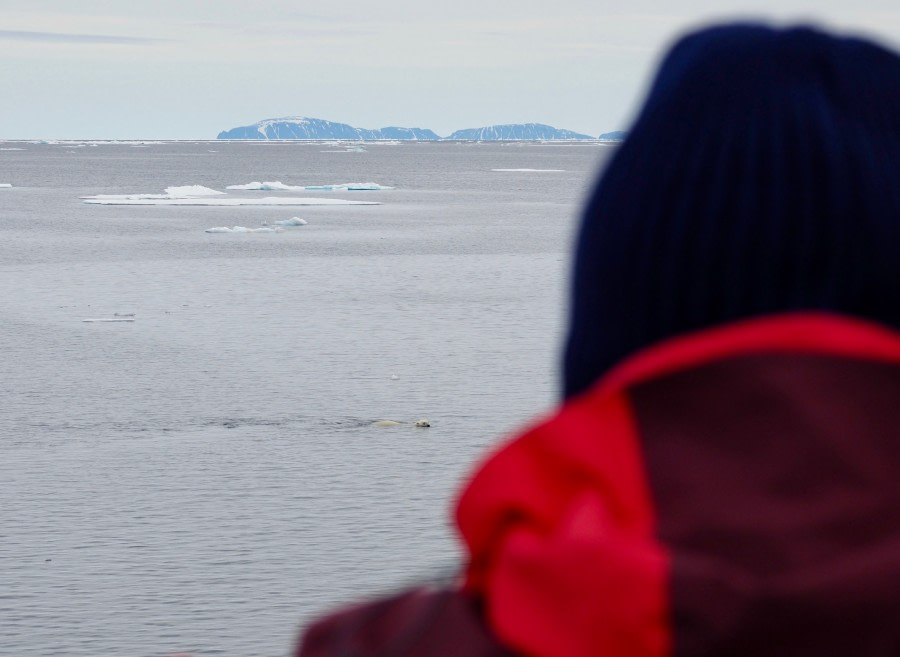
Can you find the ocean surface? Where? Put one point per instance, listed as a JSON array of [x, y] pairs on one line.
[[206, 478]]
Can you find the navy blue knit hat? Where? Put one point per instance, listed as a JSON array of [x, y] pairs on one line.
[[761, 175]]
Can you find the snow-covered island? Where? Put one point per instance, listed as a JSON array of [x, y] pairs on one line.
[[516, 131], [300, 127]]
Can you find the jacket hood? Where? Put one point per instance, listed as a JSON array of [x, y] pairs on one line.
[[733, 491]]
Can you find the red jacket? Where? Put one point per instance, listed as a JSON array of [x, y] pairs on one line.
[[735, 492]]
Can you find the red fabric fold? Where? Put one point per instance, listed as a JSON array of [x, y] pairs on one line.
[[560, 523], [560, 528]]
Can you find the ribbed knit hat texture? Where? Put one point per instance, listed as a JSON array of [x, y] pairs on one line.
[[762, 175]]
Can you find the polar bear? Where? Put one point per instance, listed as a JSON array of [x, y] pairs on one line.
[[394, 423]]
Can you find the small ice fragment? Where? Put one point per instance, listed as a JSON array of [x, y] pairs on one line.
[[5, 185], [394, 377], [533, 170], [110, 319], [242, 229], [293, 221], [123, 314]]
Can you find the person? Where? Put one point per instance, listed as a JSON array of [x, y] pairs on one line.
[[721, 477]]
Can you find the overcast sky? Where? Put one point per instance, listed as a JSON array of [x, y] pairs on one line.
[[183, 69]]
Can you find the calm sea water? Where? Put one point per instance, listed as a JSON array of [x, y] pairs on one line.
[[206, 478]]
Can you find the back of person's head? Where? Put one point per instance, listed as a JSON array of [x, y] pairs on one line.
[[761, 176]]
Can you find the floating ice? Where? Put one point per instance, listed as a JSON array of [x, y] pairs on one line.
[[242, 229], [533, 170], [191, 191], [110, 319], [5, 185], [182, 192], [265, 186], [280, 186], [293, 221], [286, 200], [348, 187], [12, 149], [349, 149]]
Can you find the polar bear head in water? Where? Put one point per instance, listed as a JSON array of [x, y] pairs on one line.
[[394, 423]]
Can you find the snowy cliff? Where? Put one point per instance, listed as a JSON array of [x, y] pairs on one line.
[[536, 131], [300, 127]]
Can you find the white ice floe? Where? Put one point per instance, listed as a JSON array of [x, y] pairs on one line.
[[110, 319], [293, 221], [280, 186], [182, 192], [12, 149], [349, 149], [5, 185], [533, 170], [191, 191], [242, 229], [199, 195], [285, 200], [348, 187], [265, 186]]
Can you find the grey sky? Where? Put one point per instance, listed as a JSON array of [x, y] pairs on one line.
[[182, 69]]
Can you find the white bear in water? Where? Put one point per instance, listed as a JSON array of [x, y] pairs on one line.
[[394, 423]]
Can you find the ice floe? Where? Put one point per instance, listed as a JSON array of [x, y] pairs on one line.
[[243, 229], [280, 186], [5, 185], [533, 170], [12, 149], [199, 195], [284, 200], [349, 149], [110, 319], [182, 192], [293, 221]]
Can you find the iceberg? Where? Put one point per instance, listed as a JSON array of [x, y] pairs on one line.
[[280, 186], [532, 170]]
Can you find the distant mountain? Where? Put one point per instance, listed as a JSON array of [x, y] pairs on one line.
[[616, 135], [517, 131], [300, 127], [419, 134]]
